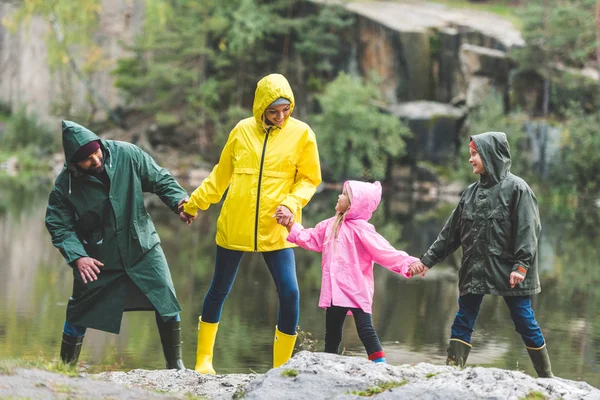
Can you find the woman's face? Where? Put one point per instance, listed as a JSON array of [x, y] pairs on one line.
[[277, 114], [343, 203]]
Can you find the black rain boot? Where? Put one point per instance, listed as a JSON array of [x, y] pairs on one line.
[[458, 352], [541, 362], [170, 338], [70, 348]]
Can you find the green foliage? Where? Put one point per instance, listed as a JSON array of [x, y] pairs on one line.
[[356, 137], [379, 388], [579, 162], [25, 130], [8, 367], [534, 396], [305, 340], [558, 31], [196, 63], [289, 373]]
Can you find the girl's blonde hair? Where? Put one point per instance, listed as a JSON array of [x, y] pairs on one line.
[[339, 218]]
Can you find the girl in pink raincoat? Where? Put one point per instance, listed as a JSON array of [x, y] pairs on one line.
[[350, 245]]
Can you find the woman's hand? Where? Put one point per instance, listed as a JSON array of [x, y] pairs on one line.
[[284, 216]]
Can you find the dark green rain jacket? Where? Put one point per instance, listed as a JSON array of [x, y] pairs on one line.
[[497, 223], [85, 219]]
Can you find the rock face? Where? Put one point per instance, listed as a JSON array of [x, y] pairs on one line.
[[326, 376], [435, 127]]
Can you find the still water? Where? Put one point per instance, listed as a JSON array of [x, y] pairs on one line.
[[412, 317]]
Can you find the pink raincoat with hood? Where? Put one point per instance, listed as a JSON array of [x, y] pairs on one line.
[[348, 264]]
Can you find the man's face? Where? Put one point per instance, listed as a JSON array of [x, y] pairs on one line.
[[94, 163]]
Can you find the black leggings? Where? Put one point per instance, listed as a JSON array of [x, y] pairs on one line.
[[334, 324]]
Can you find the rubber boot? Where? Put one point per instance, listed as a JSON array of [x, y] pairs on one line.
[[283, 347], [458, 352], [170, 338], [207, 334], [70, 348], [541, 361]]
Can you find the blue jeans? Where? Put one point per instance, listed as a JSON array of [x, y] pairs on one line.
[[76, 331], [281, 264], [520, 312]]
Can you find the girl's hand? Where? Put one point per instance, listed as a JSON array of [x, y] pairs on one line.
[[418, 268], [284, 216]]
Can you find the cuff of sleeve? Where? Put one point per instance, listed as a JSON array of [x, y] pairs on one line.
[[296, 228], [427, 261], [518, 268], [291, 205], [190, 209]]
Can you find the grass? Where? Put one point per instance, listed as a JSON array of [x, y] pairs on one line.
[[504, 9], [9, 367], [534, 396], [431, 375], [379, 388], [290, 373]]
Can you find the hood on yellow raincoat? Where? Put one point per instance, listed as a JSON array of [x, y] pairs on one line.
[[263, 167]]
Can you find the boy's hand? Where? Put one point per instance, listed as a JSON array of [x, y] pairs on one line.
[[515, 279], [418, 268]]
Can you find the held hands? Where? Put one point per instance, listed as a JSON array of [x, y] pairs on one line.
[[183, 216], [515, 278], [418, 268], [284, 216], [88, 267]]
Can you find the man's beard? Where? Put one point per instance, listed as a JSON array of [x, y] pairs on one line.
[[92, 170]]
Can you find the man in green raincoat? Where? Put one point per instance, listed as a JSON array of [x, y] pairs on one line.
[[97, 219], [497, 223]]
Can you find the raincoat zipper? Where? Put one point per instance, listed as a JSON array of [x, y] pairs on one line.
[[262, 162]]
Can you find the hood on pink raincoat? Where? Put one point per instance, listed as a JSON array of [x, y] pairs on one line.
[[364, 199]]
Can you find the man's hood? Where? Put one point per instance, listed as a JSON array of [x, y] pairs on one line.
[[73, 137], [364, 199], [495, 153], [269, 89]]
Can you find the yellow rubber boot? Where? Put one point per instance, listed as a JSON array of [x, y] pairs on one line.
[[283, 346], [207, 333]]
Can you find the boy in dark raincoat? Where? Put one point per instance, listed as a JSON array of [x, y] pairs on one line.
[[497, 223], [97, 219]]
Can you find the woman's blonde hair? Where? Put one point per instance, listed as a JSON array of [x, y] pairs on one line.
[[339, 217]]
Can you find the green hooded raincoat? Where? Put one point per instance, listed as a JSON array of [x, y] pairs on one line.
[[497, 223], [86, 219]]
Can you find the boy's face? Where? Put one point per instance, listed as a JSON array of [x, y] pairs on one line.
[[476, 162], [343, 203]]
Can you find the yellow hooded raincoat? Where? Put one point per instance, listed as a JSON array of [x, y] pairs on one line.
[[264, 167]]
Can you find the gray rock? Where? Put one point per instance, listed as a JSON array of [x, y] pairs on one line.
[[483, 61], [435, 127]]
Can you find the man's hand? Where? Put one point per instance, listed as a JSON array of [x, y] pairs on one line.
[[183, 216], [418, 268], [284, 216], [88, 268], [515, 278]]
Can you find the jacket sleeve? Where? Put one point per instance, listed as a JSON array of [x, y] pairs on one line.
[[309, 239], [159, 181], [308, 176], [447, 242], [526, 230], [60, 222], [212, 188], [383, 253]]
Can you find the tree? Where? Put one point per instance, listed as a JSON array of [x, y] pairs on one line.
[[356, 138]]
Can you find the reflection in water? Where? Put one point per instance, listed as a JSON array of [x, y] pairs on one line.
[[412, 317]]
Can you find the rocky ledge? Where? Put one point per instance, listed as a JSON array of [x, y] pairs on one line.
[[306, 376]]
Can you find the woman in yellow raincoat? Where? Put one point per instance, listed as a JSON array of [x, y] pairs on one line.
[[270, 164]]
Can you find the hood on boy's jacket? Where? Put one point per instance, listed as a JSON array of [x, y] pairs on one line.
[[74, 136], [269, 89], [364, 199], [495, 154]]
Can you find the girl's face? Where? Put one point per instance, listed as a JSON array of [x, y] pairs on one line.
[[343, 203], [476, 162], [277, 114]]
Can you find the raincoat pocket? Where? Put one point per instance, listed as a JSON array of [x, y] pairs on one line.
[[499, 229]]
